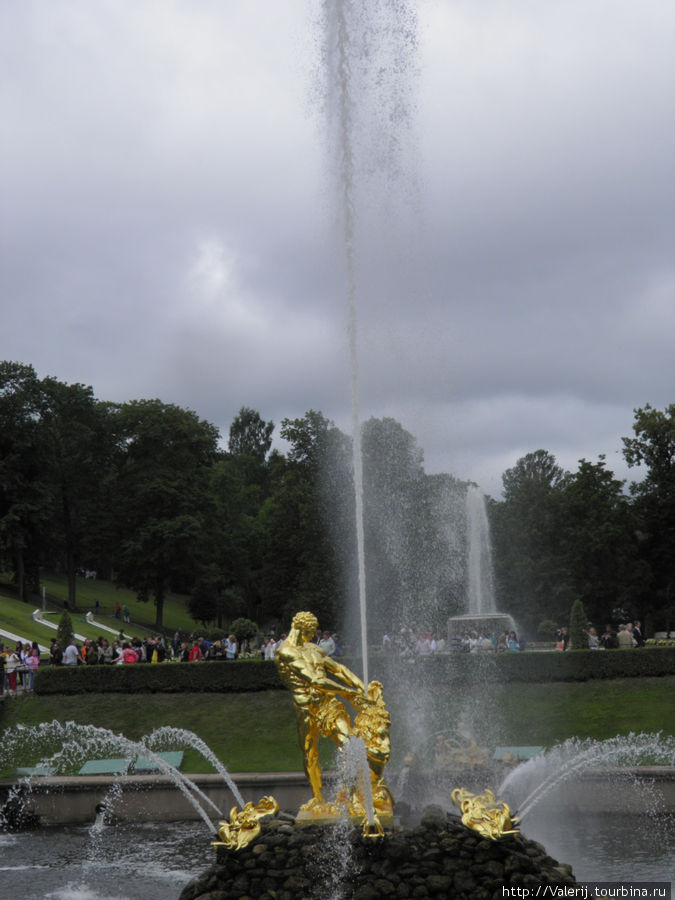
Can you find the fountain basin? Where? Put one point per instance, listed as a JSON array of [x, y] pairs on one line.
[[73, 800], [602, 791], [150, 798]]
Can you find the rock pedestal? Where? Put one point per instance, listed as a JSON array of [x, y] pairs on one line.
[[439, 858]]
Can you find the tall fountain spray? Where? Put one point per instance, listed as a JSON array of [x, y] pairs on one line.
[[367, 53], [343, 112], [481, 589], [481, 614]]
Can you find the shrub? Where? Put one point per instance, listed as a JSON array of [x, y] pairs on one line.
[[578, 626], [446, 671], [450, 670], [546, 630], [216, 634], [65, 633], [244, 630]]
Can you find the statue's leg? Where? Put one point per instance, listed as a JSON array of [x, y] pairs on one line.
[[342, 730], [308, 733]]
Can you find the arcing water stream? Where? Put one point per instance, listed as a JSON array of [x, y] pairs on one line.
[[65, 747]]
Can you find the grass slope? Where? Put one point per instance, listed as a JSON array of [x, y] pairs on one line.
[[545, 714], [257, 732], [16, 617], [88, 591]]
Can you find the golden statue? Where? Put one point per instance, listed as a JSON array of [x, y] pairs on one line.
[[460, 752], [318, 682], [244, 826], [480, 814]]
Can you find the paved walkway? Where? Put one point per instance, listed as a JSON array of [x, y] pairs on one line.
[[12, 637]]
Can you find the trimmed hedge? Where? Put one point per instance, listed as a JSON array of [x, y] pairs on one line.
[[170, 678], [525, 666], [447, 669]]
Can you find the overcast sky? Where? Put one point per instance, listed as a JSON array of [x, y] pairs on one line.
[[170, 229]]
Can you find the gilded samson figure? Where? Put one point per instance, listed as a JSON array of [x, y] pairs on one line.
[[317, 682]]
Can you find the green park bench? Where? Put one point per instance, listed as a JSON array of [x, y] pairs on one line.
[[105, 767], [28, 771], [144, 764], [503, 754]]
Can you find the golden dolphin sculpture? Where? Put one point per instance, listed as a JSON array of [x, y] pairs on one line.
[[480, 814], [244, 826]]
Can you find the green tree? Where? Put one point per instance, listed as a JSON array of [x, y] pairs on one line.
[[597, 539], [76, 450], [243, 491], [244, 630], [546, 630], [25, 494], [532, 576], [164, 457], [64, 633], [206, 602], [53, 447], [303, 560], [653, 446], [406, 552], [250, 435]]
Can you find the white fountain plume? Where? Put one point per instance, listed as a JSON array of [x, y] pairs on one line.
[[367, 56]]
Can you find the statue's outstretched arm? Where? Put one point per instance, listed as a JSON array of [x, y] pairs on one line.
[[337, 670]]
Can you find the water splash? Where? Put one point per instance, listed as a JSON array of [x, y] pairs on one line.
[[337, 856], [354, 770], [529, 783], [65, 747], [167, 736]]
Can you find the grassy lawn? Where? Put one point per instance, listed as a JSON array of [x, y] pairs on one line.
[[257, 731], [247, 732], [88, 591], [540, 714]]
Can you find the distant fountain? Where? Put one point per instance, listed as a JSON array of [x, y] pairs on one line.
[[481, 589], [482, 616]]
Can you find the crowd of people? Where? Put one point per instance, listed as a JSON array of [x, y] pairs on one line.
[[425, 643], [627, 636], [329, 642], [19, 663]]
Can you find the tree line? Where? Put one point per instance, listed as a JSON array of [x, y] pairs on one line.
[[145, 493]]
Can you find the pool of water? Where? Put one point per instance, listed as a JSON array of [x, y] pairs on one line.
[[609, 847], [155, 862], [148, 861]]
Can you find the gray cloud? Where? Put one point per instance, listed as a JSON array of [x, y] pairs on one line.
[[169, 227]]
